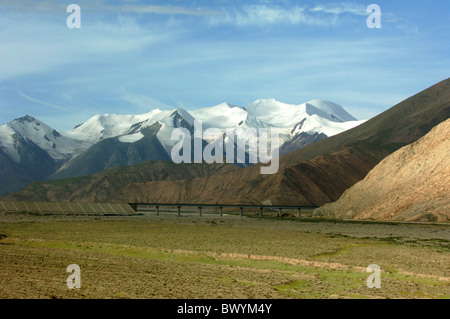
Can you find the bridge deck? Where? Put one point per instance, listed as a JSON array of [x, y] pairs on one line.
[[224, 206], [139, 207]]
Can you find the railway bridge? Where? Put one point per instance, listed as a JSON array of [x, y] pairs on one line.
[[299, 211]]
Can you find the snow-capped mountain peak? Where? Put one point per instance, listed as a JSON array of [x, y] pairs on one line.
[[221, 116], [108, 140], [180, 115], [277, 114], [283, 115], [316, 116], [104, 126], [57, 146], [7, 142], [334, 112]]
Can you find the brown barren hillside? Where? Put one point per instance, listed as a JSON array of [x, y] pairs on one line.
[[314, 175], [105, 186], [412, 184]]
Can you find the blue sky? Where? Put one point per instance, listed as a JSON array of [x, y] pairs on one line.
[[131, 56]]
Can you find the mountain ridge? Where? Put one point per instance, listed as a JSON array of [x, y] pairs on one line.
[[316, 174], [82, 150]]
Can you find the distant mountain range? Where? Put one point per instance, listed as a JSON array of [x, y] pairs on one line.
[[31, 151], [316, 174]]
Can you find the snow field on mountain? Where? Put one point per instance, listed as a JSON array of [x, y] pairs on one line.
[[316, 116]]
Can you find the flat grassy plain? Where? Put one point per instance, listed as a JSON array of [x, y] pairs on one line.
[[214, 257]]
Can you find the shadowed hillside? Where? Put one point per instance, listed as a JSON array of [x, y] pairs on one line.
[[105, 186]]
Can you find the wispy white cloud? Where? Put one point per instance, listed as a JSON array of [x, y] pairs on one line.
[[318, 15], [260, 15], [142, 101], [53, 106], [129, 56], [33, 6], [52, 6], [31, 44], [163, 10], [340, 8]]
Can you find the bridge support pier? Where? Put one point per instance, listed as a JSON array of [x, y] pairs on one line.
[[221, 211], [242, 211], [200, 211], [261, 211], [179, 211]]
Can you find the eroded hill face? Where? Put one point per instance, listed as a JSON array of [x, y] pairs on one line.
[[111, 184], [412, 184]]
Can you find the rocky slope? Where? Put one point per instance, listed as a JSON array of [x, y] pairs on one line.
[[107, 186], [412, 184]]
